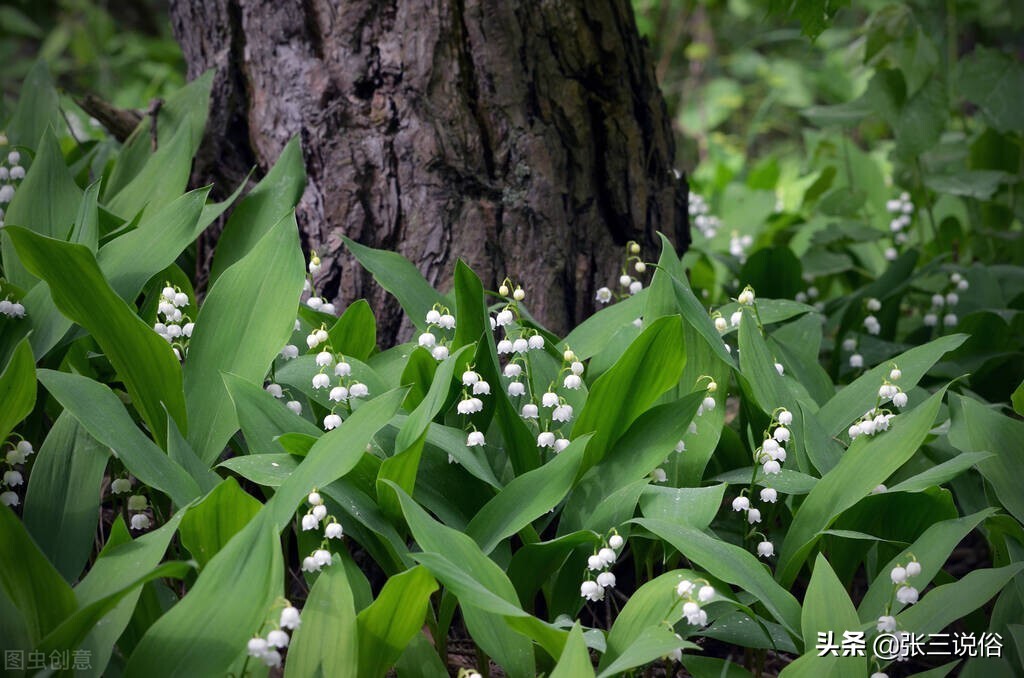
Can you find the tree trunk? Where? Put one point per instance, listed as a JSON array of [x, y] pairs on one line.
[[528, 138]]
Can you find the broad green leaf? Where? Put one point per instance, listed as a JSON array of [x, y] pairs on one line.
[[69, 466], [645, 446], [731, 564], [269, 470], [770, 390], [864, 465], [130, 260], [649, 367], [225, 607], [46, 203], [336, 453], [38, 106], [142, 359], [527, 497], [420, 660], [471, 309], [182, 454], [575, 659], [403, 466], [593, 334], [491, 631], [355, 333], [692, 506], [184, 108], [994, 81], [656, 642], [29, 580], [770, 311], [73, 630], [401, 278], [210, 524], [163, 178], [474, 596], [248, 315], [941, 473], [931, 549], [262, 417], [853, 400], [827, 607], [326, 644], [698, 318], [17, 388], [533, 563], [104, 417], [106, 577], [387, 626], [651, 606], [976, 428], [271, 200], [943, 605], [787, 482]]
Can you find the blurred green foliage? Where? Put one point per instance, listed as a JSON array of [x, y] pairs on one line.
[[121, 50]]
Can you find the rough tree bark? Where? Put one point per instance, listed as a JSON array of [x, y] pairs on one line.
[[528, 138]]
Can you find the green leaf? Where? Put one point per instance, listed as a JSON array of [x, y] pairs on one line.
[[106, 577], [262, 417], [944, 604], [130, 260], [270, 201], [470, 306], [404, 465], [827, 607], [593, 334], [575, 659], [327, 642], [247, 317], [931, 549], [30, 581], [921, 119], [994, 82], [980, 184], [851, 402], [101, 414], [69, 465], [787, 482], [491, 631], [976, 428], [698, 318], [644, 447], [527, 497], [209, 525], [731, 564], [941, 473], [387, 626], [161, 180], [17, 388], [650, 366], [75, 628], [37, 109], [269, 470], [772, 390], [355, 333], [691, 506], [46, 203], [184, 108], [401, 278], [143, 360], [335, 453], [649, 608], [225, 607], [864, 465]]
